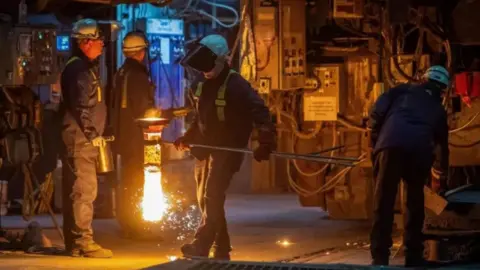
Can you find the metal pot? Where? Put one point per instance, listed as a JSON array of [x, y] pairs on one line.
[[105, 157]]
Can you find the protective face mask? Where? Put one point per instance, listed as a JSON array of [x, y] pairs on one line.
[[219, 65]]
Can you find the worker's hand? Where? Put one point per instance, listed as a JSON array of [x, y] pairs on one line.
[[99, 141], [263, 152], [181, 144]]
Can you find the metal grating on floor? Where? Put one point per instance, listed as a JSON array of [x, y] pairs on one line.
[[217, 265]]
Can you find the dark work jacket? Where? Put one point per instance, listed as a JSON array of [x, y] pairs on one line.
[[244, 110], [84, 116], [412, 118], [133, 75]]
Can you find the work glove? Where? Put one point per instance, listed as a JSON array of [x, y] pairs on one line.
[[263, 152], [268, 144], [181, 144], [99, 141]]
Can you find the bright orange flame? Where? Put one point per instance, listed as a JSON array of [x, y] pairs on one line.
[[154, 202]]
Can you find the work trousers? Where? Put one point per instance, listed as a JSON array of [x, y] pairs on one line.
[[79, 192], [213, 176], [391, 165], [130, 191]]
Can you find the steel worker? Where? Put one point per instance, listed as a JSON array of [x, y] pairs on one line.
[[227, 110], [407, 122]]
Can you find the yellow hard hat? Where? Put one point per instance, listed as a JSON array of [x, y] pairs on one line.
[[134, 41], [86, 29]]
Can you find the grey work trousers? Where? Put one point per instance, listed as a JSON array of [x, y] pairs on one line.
[[213, 176], [79, 189]]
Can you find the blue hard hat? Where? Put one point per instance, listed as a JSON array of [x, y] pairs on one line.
[[216, 43], [438, 74]]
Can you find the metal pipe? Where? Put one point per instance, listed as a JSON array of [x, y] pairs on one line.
[[345, 161]]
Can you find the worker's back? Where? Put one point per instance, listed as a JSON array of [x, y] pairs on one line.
[[414, 119]]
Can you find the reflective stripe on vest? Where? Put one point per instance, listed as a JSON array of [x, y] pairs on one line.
[[220, 102], [99, 89]]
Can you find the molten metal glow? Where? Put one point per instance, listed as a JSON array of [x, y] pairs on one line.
[[284, 243], [172, 258], [154, 202]]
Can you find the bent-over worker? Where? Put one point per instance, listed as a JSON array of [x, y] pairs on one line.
[[407, 122]]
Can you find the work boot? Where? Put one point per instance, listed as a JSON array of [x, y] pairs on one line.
[[415, 262], [380, 261], [193, 251], [221, 254], [92, 251]]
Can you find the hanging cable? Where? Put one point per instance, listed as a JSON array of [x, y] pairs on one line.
[[203, 12]]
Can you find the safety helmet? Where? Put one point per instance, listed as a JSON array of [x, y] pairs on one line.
[[216, 43], [134, 41], [438, 74], [86, 29]]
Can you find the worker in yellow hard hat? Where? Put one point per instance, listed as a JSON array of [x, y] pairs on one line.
[[227, 109], [84, 115], [132, 97]]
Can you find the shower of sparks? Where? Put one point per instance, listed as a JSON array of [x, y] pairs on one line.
[[165, 209], [154, 202]]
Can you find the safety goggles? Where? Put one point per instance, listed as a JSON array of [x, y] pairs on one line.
[[200, 58]]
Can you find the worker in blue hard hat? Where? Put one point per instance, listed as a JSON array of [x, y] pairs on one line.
[[227, 109], [407, 122], [84, 116], [133, 95]]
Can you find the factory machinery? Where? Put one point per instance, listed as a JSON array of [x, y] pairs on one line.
[[320, 77], [320, 65]]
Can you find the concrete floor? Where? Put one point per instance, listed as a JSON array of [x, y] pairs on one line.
[[256, 222]]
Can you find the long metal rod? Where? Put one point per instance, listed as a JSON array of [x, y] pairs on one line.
[[279, 154], [345, 161]]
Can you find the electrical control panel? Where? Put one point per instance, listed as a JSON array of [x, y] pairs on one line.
[[328, 99], [280, 43], [28, 55]]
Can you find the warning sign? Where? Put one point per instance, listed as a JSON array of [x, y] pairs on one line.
[[319, 108]]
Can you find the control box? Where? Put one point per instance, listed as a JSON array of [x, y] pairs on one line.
[[329, 97], [279, 28], [28, 55]]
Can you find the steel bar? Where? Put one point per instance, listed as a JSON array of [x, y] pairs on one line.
[[278, 154], [345, 161], [327, 150]]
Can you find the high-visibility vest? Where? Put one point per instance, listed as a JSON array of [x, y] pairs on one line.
[[99, 89], [220, 102]]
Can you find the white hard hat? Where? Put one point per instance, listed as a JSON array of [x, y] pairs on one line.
[[438, 74], [134, 41], [86, 29], [216, 43]]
